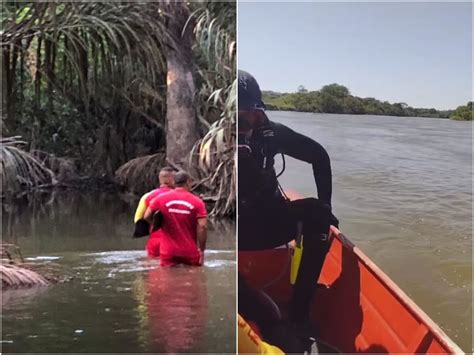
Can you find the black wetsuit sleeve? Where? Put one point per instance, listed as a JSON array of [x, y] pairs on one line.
[[308, 150]]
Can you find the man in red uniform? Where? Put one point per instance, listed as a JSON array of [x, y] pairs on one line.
[[184, 224], [166, 179]]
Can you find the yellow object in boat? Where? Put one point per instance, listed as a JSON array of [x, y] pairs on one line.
[[296, 255], [251, 343]]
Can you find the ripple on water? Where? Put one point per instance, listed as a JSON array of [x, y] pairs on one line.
[[116, 257], [43, 258], [133, 261], [218, 263], [403, 193], [123, 256]]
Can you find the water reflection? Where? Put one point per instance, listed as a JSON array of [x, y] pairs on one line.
[[177, 305], [21, 296], [67, 220], [403, 193]]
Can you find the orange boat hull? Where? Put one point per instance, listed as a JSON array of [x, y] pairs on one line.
[[361, 310]]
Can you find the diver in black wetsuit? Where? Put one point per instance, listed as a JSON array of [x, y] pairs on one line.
[[266, 217]]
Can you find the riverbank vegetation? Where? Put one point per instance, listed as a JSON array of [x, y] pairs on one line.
[[335, 98], [463, 113], [112, 91]]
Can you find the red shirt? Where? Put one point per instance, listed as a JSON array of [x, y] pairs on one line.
[[153, 193], [181, 210]]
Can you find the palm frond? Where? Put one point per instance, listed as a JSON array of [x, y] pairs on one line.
[[15, 272], [109, 60], [213, 159], [16, 276], [19, 169], [140, 175]]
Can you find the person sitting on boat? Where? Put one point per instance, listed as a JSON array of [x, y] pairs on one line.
[[268, 219], [183, 223], [142, 228]]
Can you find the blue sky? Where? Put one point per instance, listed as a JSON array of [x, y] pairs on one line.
[[418, 53]]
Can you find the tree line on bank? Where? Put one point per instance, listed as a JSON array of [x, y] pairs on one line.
[[335, 98], [463, 113], [115, 90]]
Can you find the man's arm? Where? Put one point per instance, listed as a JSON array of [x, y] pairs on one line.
[[201, 228], [154, 217], [148, 216], [201, 231], [306, 149]]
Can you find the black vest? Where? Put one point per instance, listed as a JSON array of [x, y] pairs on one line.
[[258, 184]]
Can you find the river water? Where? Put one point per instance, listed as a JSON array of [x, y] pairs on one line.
[[119, 301], [402, 190]]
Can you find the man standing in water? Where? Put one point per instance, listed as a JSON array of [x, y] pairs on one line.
[[142, 228], [183, 225], [267, 219]]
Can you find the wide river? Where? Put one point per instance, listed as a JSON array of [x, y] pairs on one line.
[[402, 190], [119, 301]]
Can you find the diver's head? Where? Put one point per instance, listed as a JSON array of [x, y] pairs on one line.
[[251, 107], [166, 177]]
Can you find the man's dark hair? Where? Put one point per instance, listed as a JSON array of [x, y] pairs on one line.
[[181, 178]]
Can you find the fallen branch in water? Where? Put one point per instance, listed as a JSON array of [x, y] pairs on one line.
[[17, 273], [16, 276]]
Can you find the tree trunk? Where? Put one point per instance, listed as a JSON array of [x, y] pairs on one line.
[[181, 123], [48, 44], [9, 61], [181, 129], [5, 87], [37, 124]]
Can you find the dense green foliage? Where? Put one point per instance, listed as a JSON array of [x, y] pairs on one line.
[[87, 80], [335, 98], [463, 113], [95, 89]]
